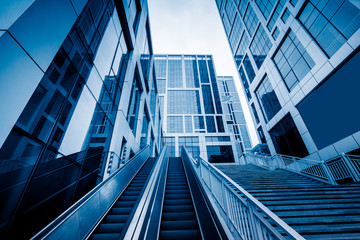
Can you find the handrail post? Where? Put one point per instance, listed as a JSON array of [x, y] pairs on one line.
[[348, 163], [328, 173]]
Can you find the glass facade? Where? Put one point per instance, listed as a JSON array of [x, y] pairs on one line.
[[293, 61], [331, 23], [220, 154], [306, 43], [55, 141], [286, 138], [183, 102], [267, 97], [260, 46]]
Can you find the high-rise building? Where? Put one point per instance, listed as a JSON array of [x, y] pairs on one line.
[[192, 109], [78, 98], [234, 116], [298, 63]]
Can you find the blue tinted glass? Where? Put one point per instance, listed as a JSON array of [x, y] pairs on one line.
[[207, 98], [11, 10], [42, 29], [210, 124]]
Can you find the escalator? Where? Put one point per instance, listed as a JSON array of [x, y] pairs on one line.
[[149, 198], [121, 213], [178, 219]]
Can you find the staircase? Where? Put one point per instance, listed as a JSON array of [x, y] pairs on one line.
[[314, 209], [119, 216], [178, 219]]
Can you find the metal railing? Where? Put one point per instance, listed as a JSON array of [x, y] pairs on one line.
[[343, 168], [250, 218]]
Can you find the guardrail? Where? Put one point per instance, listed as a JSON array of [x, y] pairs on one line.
[[250, 218], [80, 219], [343, 168]]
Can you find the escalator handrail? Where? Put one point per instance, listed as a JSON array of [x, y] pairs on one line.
[[65, 218], [250, 200], [141, 219]]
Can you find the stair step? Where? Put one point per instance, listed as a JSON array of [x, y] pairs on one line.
[[177, 196], [121, 204], [183, 234], [121, 211]]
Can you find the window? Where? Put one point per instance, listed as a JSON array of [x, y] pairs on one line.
[[175, 124], [175, 79], [243, 46], [275, 34], [286, 138], [265, 6], [204, 76], [276, 14], [160, 66], [199, 122], [210, 124], [251, 20], [188, 124], [255, 113], [230, 9], [220, 124], [217, 139], [285, 15], [220, 154], [134, 103], [261, 135], [260, 46], [214, 87], [183, 102], [191, 73], [242, 6], [249, 69], [235, 33], [161, 83], [245, 83], [331, 24], [191, 144], [267, 97], [293, 61], [207, 98], [170, 142], [293, 2]]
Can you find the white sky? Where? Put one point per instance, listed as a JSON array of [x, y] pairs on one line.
[[194, 27]]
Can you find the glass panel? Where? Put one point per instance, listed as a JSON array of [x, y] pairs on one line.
[[207, 98], [183, 102], [210, 124], [220, 154]]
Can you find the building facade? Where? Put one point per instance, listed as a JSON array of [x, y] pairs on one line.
[[233, 113], [298, 64], [192, 110], [78, 98]]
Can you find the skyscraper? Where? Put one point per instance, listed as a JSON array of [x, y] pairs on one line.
[[78, 98], [298, 63], [192, 109]]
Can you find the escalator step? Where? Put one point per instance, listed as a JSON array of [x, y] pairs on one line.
[[177, 191], [128, 198], [174, 216], [121, 204], [121, 211], [111, 227], [116, 218], [105, 236], [179, 225], [131, 193], [183, 234], [178, 202], [181, 208], [177, 196]]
